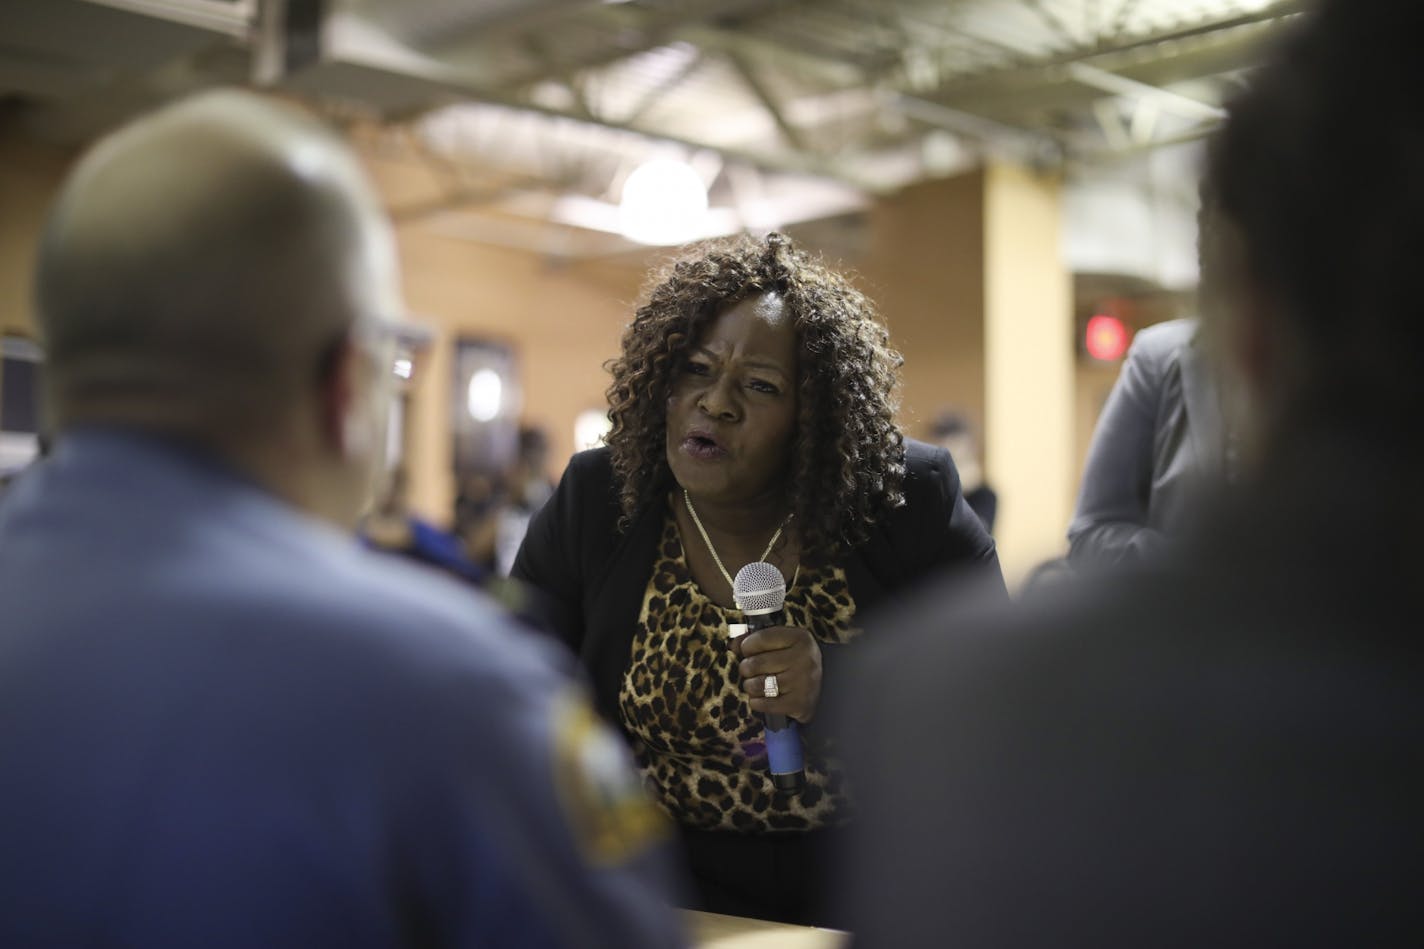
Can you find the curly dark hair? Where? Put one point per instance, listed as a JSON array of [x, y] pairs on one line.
[[848, 459]]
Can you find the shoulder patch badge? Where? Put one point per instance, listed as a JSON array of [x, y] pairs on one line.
[[598, 788]]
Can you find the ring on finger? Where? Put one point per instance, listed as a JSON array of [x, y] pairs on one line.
[[770, 688]]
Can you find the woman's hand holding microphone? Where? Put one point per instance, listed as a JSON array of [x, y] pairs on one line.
[[793, 656]]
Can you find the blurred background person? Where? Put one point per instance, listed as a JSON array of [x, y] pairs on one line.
[[1227, 752], [392, 526], [1159, 443], [528, 487], [752, 421], [222, 722], [477, 499], [492, 508], [951, 432]]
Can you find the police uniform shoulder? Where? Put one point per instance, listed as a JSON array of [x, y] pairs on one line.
[[484, 669], [405, 619], [604, 805], [459, 680]]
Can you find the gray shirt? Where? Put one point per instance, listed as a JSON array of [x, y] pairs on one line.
[[1160, 434]]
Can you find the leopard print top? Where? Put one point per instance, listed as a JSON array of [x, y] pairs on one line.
[[696, 740]]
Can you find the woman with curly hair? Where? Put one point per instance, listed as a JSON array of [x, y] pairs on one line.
[[752, 409]]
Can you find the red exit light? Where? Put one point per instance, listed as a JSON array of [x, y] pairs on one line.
[[1106, 338]]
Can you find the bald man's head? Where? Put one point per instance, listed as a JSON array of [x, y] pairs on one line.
[[198, 264]]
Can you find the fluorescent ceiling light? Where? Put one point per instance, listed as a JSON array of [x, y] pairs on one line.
[[664, 202]]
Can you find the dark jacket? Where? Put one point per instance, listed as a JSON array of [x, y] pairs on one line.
[[594, 576], [1223, 751]]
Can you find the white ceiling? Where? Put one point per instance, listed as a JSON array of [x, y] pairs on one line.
[[791, 110]]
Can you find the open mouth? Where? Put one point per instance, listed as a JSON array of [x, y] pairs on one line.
[[702, 446]]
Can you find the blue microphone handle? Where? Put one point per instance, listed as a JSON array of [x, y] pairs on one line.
[[784, 754]]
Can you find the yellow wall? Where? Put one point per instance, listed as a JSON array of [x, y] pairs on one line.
[[29, 177], [1029, 368], [969, 274], [562, 321], [925, 270]]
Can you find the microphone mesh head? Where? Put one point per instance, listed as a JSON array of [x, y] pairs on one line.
[[759, 588]]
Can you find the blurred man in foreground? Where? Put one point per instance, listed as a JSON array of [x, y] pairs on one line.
[[222, 723], [1228, 754]]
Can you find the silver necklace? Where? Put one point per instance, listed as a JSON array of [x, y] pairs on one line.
[[687, 499]]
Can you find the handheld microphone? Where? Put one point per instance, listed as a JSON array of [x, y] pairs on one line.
[[760, 592]]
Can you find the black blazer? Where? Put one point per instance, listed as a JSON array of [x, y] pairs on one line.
[[593, 576]]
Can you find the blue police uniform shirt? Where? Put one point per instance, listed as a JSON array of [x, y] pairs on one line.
[[223, 723]]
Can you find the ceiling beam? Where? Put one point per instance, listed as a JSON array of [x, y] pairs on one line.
[[1046, 68], [1053, 21], [1144, 121], [234, 19], [1024, 95], [655, 95], [1019, 144], [570, 81], [791, 133], [1125, 10], [1090, 156], [362, 58], [1168, 101], [1110, 122], [834, 70], [633, 30], [840, 167]]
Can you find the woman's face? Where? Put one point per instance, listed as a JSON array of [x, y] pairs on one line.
[[731, 417]]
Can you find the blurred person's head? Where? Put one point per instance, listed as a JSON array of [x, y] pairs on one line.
[[529, 475], [532, 455], [393, 496], [220, 272], [951, 432], [808, 416], [1315, 201]]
